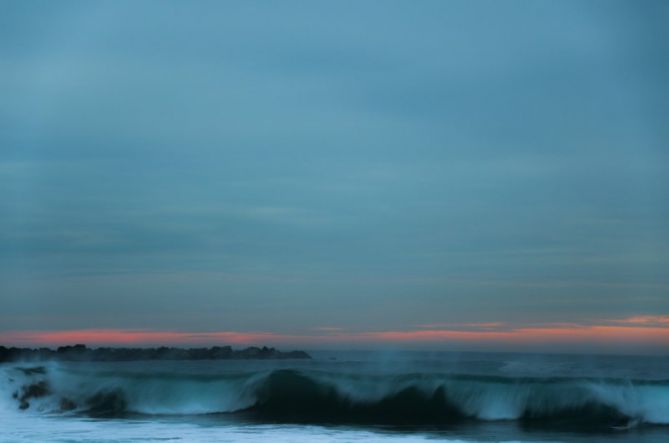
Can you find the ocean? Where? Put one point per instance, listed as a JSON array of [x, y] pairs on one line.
[[341, 397]]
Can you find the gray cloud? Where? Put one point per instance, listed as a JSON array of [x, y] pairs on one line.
[[301, 165]]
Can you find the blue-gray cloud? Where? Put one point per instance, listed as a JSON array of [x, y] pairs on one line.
[[304, 164]]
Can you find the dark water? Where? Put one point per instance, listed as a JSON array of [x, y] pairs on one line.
[[341, 396]]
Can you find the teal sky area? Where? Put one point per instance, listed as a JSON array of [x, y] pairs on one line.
[[315, 168]]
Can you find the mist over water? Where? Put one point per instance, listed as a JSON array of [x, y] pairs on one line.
[[341, 396]]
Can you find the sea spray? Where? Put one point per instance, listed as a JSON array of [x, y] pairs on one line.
[[317, 395]]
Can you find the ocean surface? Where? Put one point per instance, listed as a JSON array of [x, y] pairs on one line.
[[341, 397]]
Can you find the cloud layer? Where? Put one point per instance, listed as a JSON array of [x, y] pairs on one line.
[[245, 166]]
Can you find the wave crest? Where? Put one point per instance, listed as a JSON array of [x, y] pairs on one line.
[[325, 397]]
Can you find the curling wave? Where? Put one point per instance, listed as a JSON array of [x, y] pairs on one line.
[[310, 396]]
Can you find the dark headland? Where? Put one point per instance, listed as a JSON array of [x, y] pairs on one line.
[[83, 353]]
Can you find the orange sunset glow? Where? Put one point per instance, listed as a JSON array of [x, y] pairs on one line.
[[640, 330]]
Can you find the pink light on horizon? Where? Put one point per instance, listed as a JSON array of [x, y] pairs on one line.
[[135, 337], [630, 331], [644, 320], [533, 335]]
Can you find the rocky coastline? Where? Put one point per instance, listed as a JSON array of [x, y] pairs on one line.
[[81, 352]]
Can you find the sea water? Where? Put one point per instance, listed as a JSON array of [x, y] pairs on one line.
[[340, 397]]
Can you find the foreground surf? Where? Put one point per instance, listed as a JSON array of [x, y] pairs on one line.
[[303, 396]]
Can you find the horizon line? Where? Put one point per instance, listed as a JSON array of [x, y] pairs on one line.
[[643, 331]]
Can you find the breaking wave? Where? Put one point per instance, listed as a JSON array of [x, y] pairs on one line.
[[310, 396]]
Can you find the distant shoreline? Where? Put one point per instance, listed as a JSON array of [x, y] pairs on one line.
[[81, 352]]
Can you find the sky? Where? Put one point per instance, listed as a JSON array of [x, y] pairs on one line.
[[471, 174]]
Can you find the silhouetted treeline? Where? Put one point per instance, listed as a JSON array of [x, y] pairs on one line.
[[83, 353]]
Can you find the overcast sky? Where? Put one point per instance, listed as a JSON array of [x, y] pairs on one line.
[[368, 166]]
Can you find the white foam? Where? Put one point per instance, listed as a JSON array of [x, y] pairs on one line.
[[30, 429]]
